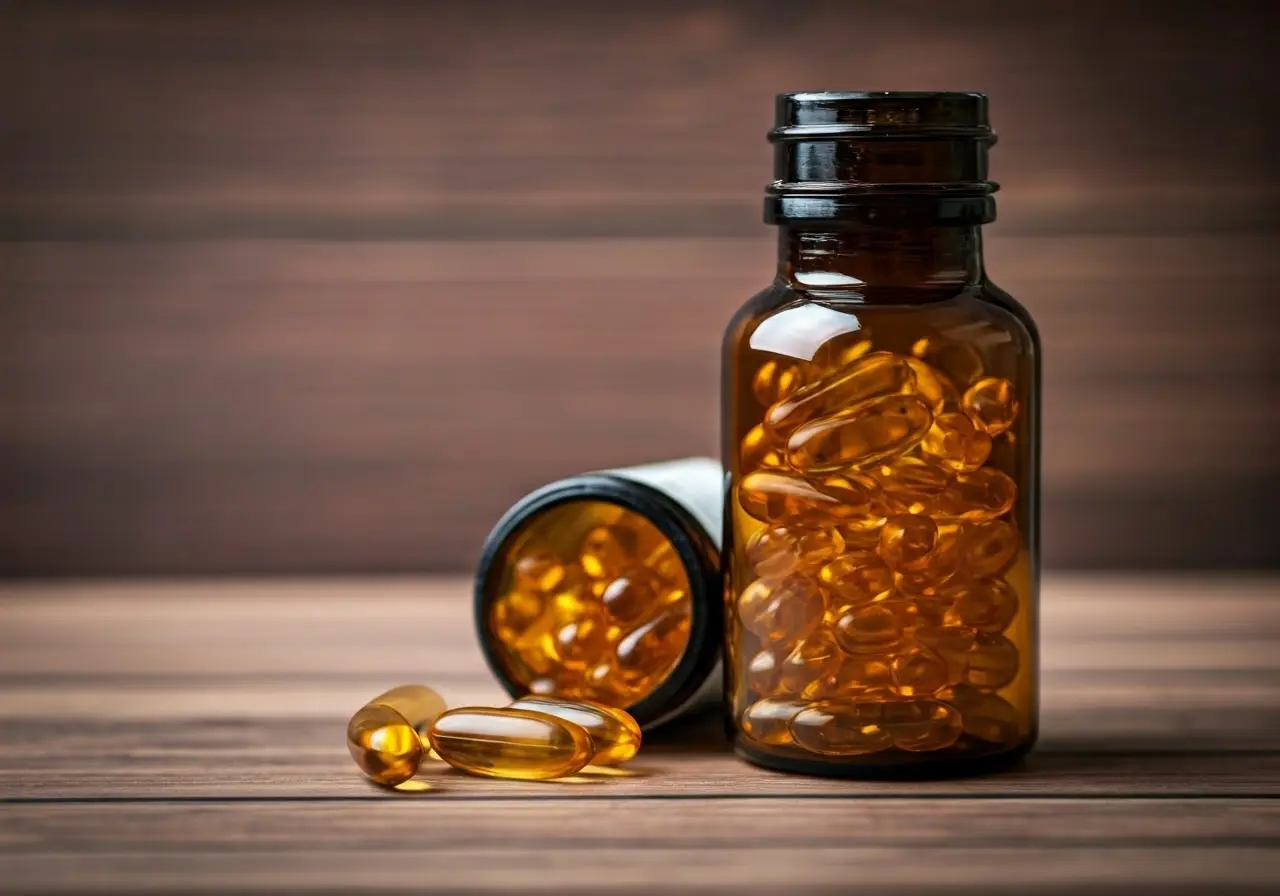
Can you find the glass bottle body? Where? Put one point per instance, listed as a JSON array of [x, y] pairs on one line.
[[881, 430]]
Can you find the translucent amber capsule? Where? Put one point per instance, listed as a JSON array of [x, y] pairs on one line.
[[987, 605], [663, 561], [581, 642], [853, 676], [514, 612], [768, 721], [983, 494], [814, 657], [919, 672], [386, 737], [764, 672], [909, 484], [877, 374], [955, 443], [544, 686], [985, 716], [782, 612], [539, 572], [992, 404], [607, 551], [960, 362], [838, 728], [645, 653], [855, 578], [933, 386], [534, 650], [989, 547], [510, 743], [863, 534], [952, 643], [602, 683], [776, 553], [860, 435], [922, 725], [782, 497], [615, 736], [760, 452], [879, 627], [943, 567], [775, 380], [908, 542], [841, 352], [992, 662], [630, 597]]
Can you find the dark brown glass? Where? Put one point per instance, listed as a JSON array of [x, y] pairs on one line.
[[881, 434]]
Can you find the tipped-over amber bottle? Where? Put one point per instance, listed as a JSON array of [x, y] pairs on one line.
[[881, 434]]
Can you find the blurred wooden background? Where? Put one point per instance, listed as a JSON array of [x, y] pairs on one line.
[[324, 287]]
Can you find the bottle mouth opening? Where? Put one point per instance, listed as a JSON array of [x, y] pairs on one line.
[[694, 548]]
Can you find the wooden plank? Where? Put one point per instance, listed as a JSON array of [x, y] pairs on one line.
[[360, 404], [495, 119], [749, 846], [1150, 686], [185, 736]]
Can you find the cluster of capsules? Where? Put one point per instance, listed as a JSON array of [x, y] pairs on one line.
[[606, 620], [877, 612], [535, 738]]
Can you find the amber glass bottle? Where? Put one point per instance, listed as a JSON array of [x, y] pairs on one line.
[[881, 434]]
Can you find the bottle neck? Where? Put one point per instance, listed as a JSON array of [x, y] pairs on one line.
[[882, 264]]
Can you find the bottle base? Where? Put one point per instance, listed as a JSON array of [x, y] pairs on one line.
[[902, 767]]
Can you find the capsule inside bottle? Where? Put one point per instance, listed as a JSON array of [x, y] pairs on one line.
[[591, 602], [510, 743]]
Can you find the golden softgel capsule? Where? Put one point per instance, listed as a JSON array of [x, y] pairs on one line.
[[387, 736], [615, 736], [510, 743], [605, 588]]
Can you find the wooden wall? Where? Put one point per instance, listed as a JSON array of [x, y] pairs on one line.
[[324, 287]]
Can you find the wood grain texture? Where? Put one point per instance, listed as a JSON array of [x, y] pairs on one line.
[[273, 406], [501, 119], [186, 735], [319, 288]]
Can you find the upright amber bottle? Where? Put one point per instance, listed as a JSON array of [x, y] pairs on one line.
[[881, 432]]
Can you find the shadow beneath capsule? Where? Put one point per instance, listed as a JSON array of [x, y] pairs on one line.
[[702, 732]]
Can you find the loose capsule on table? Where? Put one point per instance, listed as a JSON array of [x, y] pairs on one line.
[[615, 736], [510, 743], [387, 736]]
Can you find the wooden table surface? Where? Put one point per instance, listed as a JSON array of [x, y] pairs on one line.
[[187, 736]]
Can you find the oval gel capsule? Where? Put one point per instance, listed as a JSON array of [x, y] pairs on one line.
[[510, 743], [615, 736], [861, 435]]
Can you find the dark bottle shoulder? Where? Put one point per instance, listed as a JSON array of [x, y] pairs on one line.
[[774, 296], [993, 295]]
